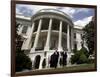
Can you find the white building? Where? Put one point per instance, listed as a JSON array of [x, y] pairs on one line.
[[46, 31]]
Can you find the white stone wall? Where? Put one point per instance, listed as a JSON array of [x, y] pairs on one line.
[[78, 39]]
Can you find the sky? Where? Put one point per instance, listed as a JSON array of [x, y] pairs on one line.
[[79, 16]]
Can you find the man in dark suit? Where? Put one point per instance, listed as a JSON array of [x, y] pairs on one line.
[[64, 54], [56, 54], [54, 59]]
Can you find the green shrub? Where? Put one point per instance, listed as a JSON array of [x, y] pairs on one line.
[[74, 58], [84, 50], [74, 50], [91, 61], [22, 61], [82, 59], [80, 56]]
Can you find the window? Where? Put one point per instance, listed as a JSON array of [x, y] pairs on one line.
[[45, 24], [75, 46], [24, 29], [75, 35], [55, 24], [81, 36]]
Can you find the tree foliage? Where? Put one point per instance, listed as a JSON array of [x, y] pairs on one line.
[[80, 56], [89, 36], [22, 61]]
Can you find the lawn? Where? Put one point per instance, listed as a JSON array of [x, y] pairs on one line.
[[67, 69]]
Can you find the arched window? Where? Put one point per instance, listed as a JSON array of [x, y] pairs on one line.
[[37, 61]]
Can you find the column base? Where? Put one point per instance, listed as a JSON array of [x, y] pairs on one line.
[[46, 48], [69, 54], [40, 66], [32, 50]]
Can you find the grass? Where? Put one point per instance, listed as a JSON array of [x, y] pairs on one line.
[[69, 69]]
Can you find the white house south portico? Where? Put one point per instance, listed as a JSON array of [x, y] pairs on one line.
[[46, 31]]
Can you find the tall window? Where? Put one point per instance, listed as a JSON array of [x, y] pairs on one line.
[[75, 46], [53, 43], [81, 36], [55, 24], [75, 35], [24, 29], [64, 28]]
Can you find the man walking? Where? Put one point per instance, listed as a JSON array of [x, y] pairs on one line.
[[64, 54], [54, 59]]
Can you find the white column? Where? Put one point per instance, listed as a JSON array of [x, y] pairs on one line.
[[41, 60], [47, 62], [68, 46], [32, 59], [60, 42], [60, 38], [37, 36], [47, 45], [72, 39], [48, 36], [30, 33], [68, 39]]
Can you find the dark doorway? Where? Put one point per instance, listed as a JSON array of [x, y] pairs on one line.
[[37, 61]]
